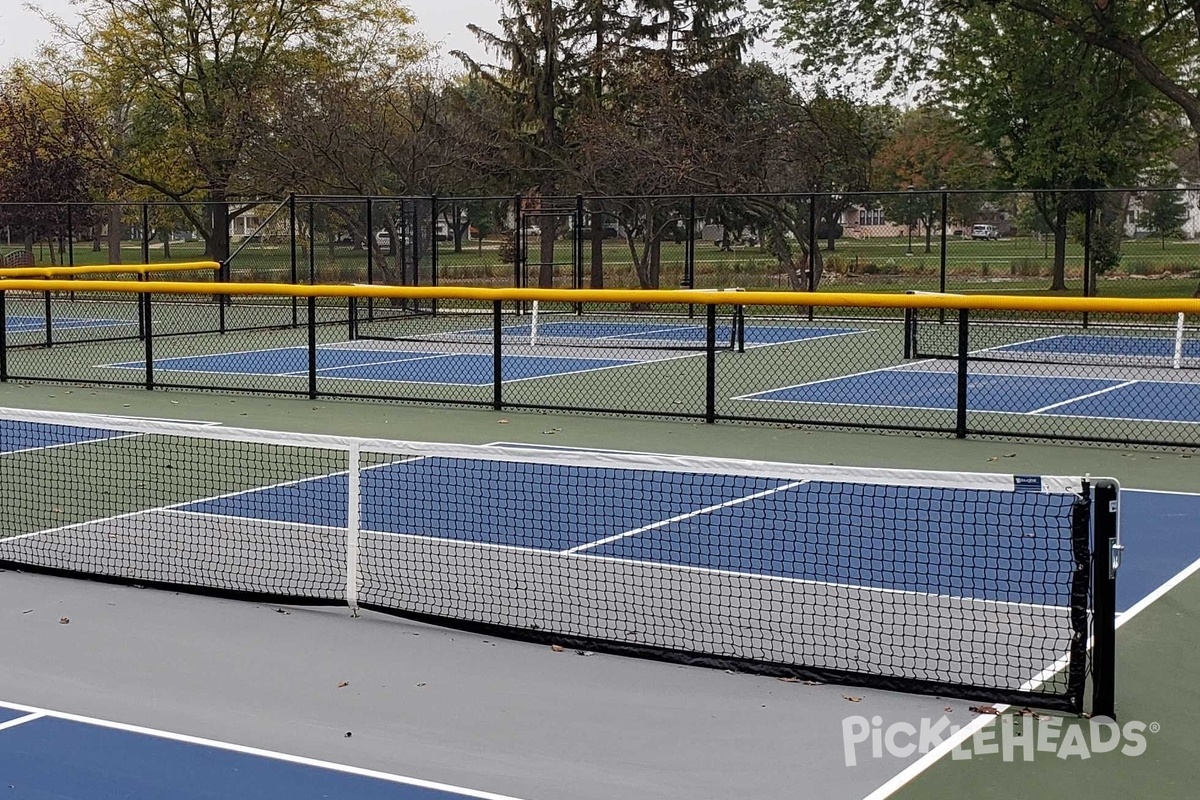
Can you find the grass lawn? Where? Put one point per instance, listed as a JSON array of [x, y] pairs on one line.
[[1148, 268]]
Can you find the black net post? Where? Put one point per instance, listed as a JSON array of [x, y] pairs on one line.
[[312, 348], [145, 233], [710, 370], [517, 254], [910, 315], [222, 299], [370, 245], [433, 248], [292, 272], [960, 424], [942, 257], [1106, 558], [148, 339], [352, 316], [497, 341], [577, 250]]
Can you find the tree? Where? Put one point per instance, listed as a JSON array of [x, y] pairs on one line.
[[1166, 211], [183, 83], [929, 151], [900, 38], [1059, 116], [42, 163]]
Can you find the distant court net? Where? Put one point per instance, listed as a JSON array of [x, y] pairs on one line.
[[969, 585]]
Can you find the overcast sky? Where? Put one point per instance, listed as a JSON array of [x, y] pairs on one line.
[[443, 22]]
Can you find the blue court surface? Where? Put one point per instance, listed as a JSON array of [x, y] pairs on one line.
[[1107, 398], [23, 324], [1162, 347], [722, 523], [49, 755], [471, 369]]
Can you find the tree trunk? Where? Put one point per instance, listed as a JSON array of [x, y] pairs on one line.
[[114, 234], [217, 242], [1058, 282], [166, 240], [655, 266]]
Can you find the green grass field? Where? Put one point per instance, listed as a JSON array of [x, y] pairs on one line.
[[1148, 268]]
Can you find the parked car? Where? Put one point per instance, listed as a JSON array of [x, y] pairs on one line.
[[982, 231]]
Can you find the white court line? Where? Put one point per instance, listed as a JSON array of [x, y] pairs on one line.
[[256, 751], [12, 723], [681, 517], [1068, 402], [909, 773]]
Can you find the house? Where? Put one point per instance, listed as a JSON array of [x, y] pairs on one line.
[[1138, 225]]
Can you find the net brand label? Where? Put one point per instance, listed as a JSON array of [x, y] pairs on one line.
[[1027, 483]]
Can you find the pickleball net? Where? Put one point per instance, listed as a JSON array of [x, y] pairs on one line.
[[970, 585]]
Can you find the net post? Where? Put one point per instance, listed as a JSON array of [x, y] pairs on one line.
[[312, 348], [960, 424], [710, 359], [433, 249], [1106, 559], [149, 340], [1177, 360], [518, 259], [352, 313], [370, 245], [577, 247], [3, 338], [497, 374], [353, 511], [1089, 214]]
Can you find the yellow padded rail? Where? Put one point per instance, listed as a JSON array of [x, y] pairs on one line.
[[106, 269], [680, 296]]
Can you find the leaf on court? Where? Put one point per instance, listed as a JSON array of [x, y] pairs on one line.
[[549, 433], [993, 458], [556, 648], [584, 653], [343, 684], [852, 699], [283, 611], [1010, 455], [986, 710], [948, 709], [789, 680], [813, 683], [64, 621], [348, 734], [501, 422], [422, 683]]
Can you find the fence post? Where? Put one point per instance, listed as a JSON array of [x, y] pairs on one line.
[[149, 340], [960, 425], [812, 248], [312, 249], [577, 244], [942, 266], [1106, 551], [293, 272], [47, 310], [145, 233], [497, 372], [3, 338], [1089, 213], [433, 252], [710, 366], [70, 236], [518, 259], [312, 348]]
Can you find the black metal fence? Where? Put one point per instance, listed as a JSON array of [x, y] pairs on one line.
[[1129, 377]]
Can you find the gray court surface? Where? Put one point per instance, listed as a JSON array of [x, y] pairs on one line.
[[486, 714]]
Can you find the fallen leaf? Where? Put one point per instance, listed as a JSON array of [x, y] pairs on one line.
[[282, 611], [813, 683], [29, 611], [852, 699], [789, 680], [556, 648], [419, 685], [64, 621], [987, 710], [948, 709], [348, 734], [343, 684], [501, 422]]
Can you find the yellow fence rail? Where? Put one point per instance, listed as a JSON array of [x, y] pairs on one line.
[[52, 273], [629, 296]]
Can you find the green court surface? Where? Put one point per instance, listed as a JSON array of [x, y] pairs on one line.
[[1156, 649]]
